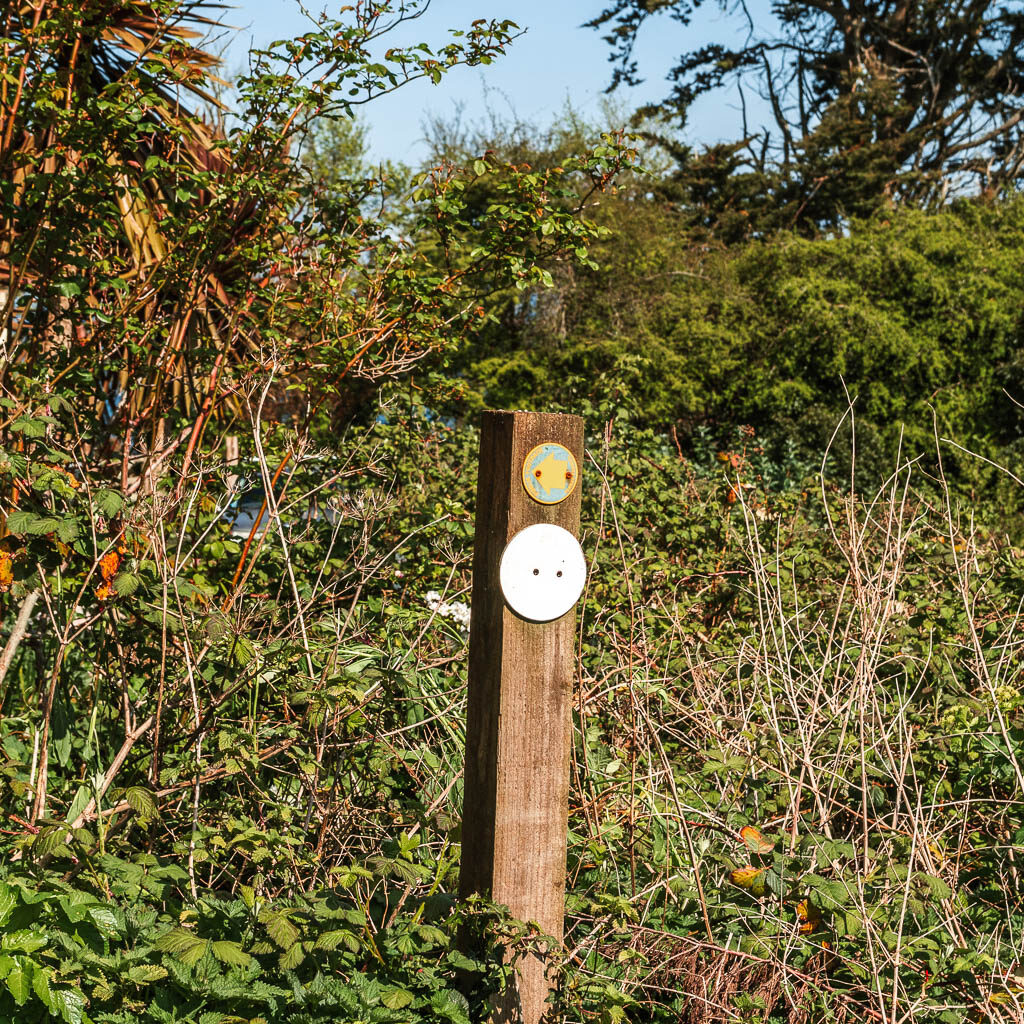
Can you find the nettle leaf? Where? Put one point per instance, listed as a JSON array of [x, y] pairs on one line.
[[280, 929], [19, 985], [20, 521], [144, 974], [126, 583], [103, 991], [190, 957], [175, 941], [231, 953], [8, 901], [292, 958], [339, 937], [140, 800], [108, 502], [179, 942]]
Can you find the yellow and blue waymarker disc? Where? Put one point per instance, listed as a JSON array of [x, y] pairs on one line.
[[550, 473]]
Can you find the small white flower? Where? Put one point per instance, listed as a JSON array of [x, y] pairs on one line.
[[457, 611]]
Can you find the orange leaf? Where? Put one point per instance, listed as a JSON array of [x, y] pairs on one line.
[[6, 572], [109, 564], [754, 840], [808, 915]]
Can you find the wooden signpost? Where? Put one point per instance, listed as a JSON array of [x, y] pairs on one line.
[[519, 727]]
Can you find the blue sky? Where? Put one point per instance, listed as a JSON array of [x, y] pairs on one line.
[[555, 59]]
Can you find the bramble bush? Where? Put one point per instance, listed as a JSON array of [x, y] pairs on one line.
[[794, 780]]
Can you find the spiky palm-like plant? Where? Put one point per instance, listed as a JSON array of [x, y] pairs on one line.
[[102, 148]]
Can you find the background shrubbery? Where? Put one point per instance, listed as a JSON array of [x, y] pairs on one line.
[[916, 315]]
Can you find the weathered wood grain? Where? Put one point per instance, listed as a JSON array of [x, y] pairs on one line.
[[519, 727]]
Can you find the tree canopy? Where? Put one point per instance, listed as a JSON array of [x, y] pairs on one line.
[[872, 103]]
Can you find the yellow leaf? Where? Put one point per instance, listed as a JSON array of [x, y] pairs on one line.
[[1013, 987], [746, 877]]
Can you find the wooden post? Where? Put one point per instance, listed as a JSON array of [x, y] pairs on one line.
[[519, 727]]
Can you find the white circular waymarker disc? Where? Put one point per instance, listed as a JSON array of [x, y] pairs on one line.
[[542, 572]]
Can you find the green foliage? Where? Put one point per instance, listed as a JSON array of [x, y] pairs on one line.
[[160, 266], [736, 629], [917, 315], [207, 677], [791, 673], [106, 949]]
